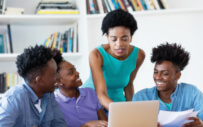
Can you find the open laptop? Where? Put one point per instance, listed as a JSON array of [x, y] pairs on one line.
[[133, 114]]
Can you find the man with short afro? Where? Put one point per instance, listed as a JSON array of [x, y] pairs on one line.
[[33, 103], [170, 60]]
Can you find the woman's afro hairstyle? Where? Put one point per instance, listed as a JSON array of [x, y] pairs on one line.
[[32, 61], [119, 17], [171, 52], [57, 56]]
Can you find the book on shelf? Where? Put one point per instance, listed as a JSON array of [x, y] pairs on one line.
[[100, 6], [134, 3], [5, 44], [65, 42], [10, 38], [151, 5], [58, 11], [165, 4], [9, 80], [56, 7], [87, 7], [2, 6], [96, 6], [2, 43], [122, 5], [161, 6], [104, 6]]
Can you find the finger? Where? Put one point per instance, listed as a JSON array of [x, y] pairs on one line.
[[104, 123], [192, 118]]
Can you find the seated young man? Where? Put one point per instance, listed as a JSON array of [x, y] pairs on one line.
[[33, 103], [170, 60]]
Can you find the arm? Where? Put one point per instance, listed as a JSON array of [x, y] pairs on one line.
[[58, 116], [198, 102], [96, 63], [129, 89], [101, 114], [9, 112], [97, 123]]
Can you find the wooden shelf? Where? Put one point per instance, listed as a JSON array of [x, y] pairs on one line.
[[37, 19]]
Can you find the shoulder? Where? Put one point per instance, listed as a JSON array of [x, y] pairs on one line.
[[144, 94], [17, 92], [88, 91], [95, 54], [187, 87], [14, 98], [141, 55]]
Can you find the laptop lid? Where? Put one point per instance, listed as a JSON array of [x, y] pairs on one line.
[[133, 114]]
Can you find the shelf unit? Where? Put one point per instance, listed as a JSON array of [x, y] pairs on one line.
[[182, 24]]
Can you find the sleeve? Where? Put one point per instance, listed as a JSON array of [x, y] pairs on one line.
[[9, 112], [98, 105], [58, 120], [198, 102], [138, 97]]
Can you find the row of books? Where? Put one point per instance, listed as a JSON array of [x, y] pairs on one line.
[[66, 42], [6, 41], [104, 6], [56, 7], [8, 80]]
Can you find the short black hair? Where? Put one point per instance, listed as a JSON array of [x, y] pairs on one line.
[[171, 52], [119, 17], [32, 61], [57, 56]]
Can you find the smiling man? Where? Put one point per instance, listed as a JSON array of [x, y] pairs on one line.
[[33, 103], [170, 60]]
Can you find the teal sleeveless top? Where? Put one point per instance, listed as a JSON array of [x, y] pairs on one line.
[[116, 73]]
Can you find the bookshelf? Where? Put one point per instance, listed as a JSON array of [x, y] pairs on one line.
[[38, 19], [181, 23]]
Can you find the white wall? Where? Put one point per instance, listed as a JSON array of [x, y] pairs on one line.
[[184, 28]]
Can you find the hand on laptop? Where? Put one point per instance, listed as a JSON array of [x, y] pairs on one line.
[[96, 123], [196, 123], [159, 125]]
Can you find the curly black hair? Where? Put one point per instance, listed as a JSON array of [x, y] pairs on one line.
[[171, 52], [57, 56], [119, 17], [32, 61]]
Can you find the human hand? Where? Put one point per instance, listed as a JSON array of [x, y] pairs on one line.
[[159, 125], [96, 123], [196, 123]]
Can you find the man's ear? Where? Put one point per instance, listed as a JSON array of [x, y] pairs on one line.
[[38, 79], [178, 74]]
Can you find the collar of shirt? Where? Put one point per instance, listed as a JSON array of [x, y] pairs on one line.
[[32, 94], [64, 98], [174, 94]]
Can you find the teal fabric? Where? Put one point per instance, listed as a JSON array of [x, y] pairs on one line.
[[116, 73], [167, 105]]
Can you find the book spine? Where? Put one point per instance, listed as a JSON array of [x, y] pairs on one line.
[[10, 38], [1, 43], [87, 7]]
